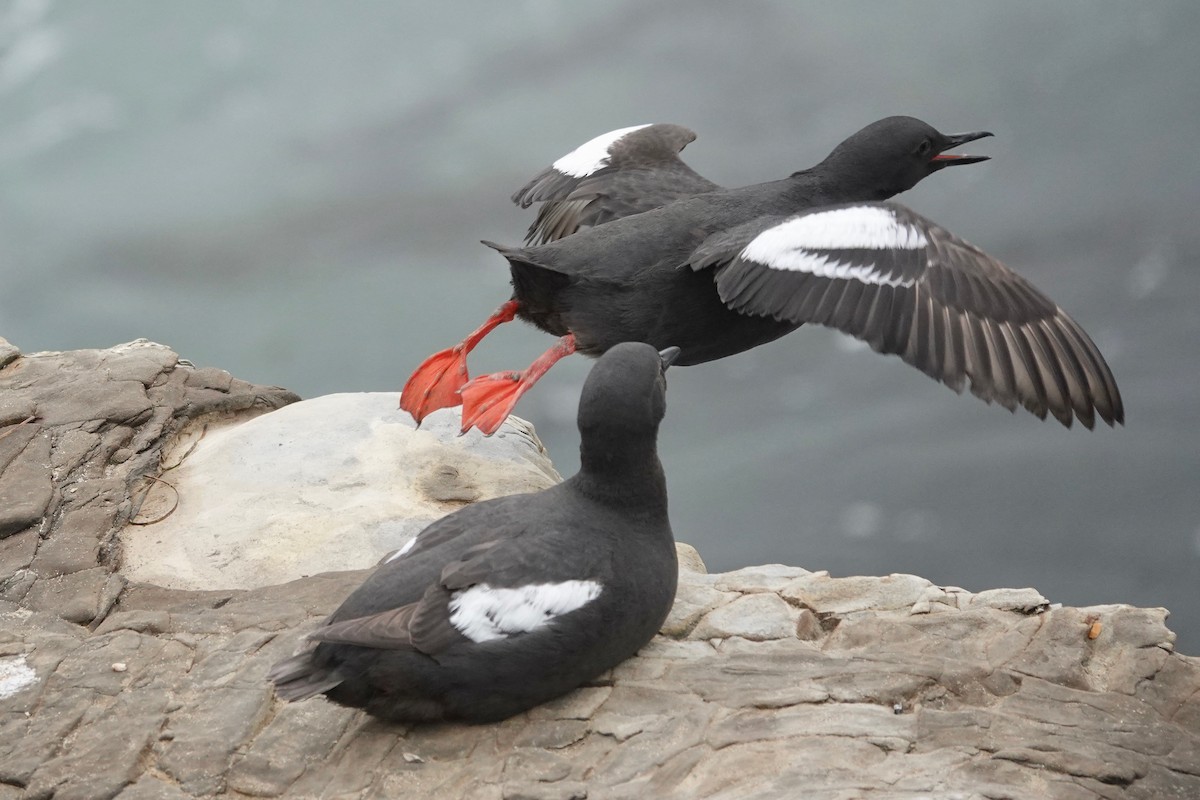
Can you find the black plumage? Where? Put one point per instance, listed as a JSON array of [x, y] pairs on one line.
[[640, 170], [510, 602], [684, 274], [945, 307]]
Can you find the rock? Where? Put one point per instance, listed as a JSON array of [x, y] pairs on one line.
[[758, 617], [1027, 601], [325, 484], [75, 597], [80, 434], [15, 675], [767, 682], [893, 592], [689, 558], [25, 486], [8, 352]]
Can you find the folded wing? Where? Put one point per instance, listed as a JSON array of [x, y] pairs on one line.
[[493, 591]]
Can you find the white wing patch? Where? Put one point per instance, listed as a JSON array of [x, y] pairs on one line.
[[482, 613], [790, 245], [592, 155], [403, 550]]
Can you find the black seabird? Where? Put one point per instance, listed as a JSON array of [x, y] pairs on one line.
[[510, 602], [719, 271]]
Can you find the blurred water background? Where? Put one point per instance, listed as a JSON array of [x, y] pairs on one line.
[[294, 191]]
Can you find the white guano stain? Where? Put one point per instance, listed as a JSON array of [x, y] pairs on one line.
[[15, 675]]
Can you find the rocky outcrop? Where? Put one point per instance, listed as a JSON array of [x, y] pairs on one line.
[[81, 442], [324, 484], [767, 682]]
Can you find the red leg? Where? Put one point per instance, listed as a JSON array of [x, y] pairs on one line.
[[436, 382], [489, 399]]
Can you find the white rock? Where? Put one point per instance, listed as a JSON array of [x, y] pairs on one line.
[[763, 578], [1026, 601], [326, 484], [859, 593], [689, 559], [757, 617]]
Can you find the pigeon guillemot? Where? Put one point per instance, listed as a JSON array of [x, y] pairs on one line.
[[510, 602], [719, 271]]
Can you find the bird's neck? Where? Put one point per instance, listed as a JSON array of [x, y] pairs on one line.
[[626, 475], [836, 181]]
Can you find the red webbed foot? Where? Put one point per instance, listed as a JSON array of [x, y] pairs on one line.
[[489, 399], [436, 383]]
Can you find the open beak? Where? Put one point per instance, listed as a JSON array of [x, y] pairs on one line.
[[945, 159], [668, 356]]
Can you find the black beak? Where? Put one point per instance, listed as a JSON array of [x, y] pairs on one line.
[[951, 140], [668, 356]]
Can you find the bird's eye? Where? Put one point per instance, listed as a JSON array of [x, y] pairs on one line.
[[925, 147]]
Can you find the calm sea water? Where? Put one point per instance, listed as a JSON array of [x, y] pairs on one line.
[[295, 192]]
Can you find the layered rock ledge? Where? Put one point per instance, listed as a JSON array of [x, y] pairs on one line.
[[767, 682]]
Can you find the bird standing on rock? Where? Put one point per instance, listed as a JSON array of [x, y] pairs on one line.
[[637, 247], [510, 602]]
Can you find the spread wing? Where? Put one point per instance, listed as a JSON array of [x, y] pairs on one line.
[[617, 174], [886, 275], [493, 590]]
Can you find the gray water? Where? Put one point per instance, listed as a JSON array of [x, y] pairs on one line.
[[294, 191]]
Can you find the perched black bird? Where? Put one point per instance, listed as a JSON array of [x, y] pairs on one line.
[[510, 602], [719, 271]]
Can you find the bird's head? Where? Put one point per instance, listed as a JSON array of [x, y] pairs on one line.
[[894, 154], [626, 392]]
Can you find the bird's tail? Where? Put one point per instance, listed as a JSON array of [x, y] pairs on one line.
[[298, 678], [502, 249]]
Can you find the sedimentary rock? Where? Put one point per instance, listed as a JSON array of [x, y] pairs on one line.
[[766, 682]]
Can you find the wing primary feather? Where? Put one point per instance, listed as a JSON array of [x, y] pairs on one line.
[[811, 299], [1072, 372], [922, 350], [1003, 370], [954, 350], [1105, 395], [823, 312], [387, 630], [847, 307], [875, 324], [978, 359], [1029, 383], [899, 323], [1058, 394]]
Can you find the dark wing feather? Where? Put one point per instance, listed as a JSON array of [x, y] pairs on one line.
[[424, 626], [534, 557], [298, 677], [638, 171], [387, 630], [906, 286], [517, 559]]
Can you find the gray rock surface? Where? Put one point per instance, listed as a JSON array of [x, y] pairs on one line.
[[767, 682], [82, 435]]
